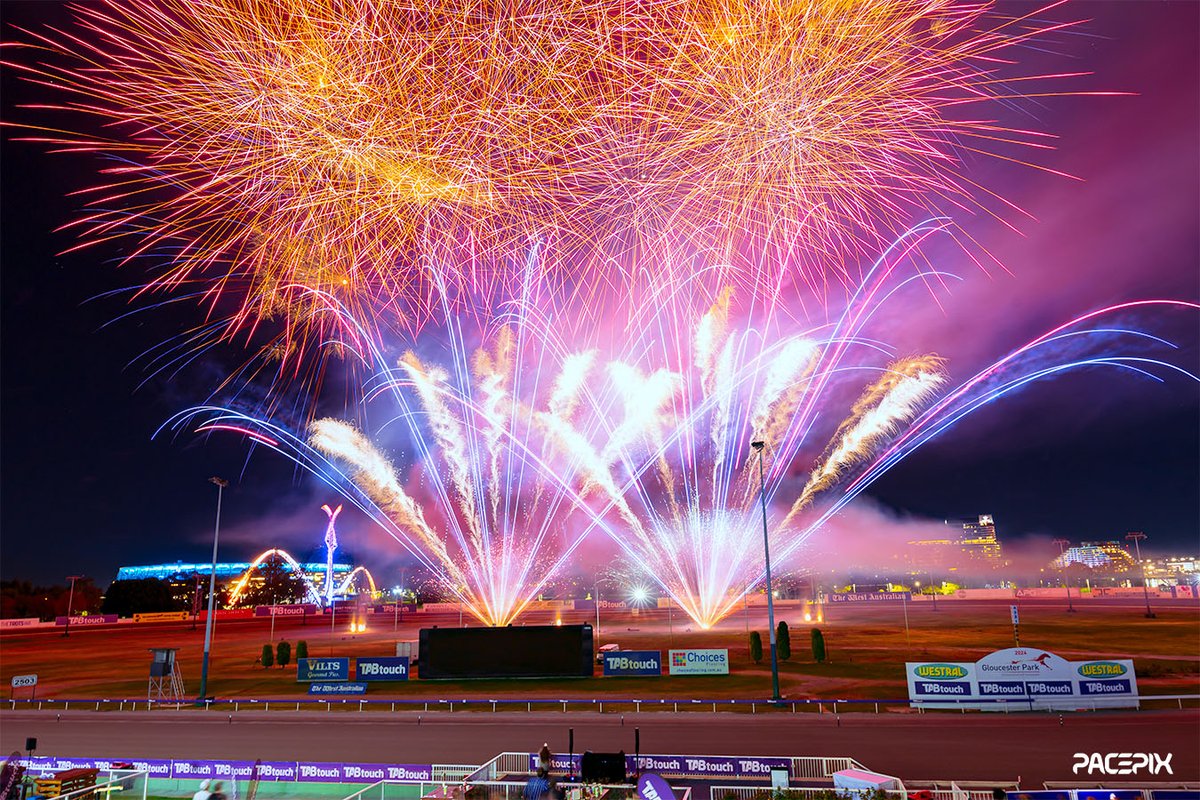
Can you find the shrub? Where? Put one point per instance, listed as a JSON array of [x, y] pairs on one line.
[[283, 653], [301, 649], [783, 641], [818, 645], [755, 646], [267, 658]]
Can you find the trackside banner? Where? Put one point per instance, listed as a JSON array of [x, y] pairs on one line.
[[683, 766], [868, 597], [387, 668], [289, 610], [1022, 678], [90, 619], [633, 662], [699, 662], [302, 771], [323, 669]]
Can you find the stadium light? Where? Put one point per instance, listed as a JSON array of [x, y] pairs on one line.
[[758, 448], [70, 602], [220, 483], [1137, 538]]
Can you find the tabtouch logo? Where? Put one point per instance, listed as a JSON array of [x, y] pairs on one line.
[[1123, 763]]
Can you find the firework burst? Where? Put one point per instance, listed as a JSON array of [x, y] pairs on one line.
[[275, 153]]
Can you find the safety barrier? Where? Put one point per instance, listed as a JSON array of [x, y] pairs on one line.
[[689, 767], [753, 706]]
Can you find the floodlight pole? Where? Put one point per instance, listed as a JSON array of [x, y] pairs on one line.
[[1062, 543], [70, 602], [220, 483], [762, 481], [1137, 538]]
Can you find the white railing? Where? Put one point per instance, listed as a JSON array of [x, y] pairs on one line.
[[751, 792], [494, 790], [808, 767], [129, 785]]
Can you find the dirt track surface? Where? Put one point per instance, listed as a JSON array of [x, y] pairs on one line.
[[1032, 747]]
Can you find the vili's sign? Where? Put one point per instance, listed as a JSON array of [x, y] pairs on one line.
[[323, 669]]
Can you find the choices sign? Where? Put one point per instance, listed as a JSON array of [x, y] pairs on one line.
[[633, 662], [391, 668], [323, 669], [699, 662]]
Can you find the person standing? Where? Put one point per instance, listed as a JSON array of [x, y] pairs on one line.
[[544, 757]]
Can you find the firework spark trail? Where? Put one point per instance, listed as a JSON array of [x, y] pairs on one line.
[[888, 403], [370, 150]]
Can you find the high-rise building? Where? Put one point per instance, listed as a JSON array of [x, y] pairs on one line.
[[974, 542], [1107, 556], [978, 540]]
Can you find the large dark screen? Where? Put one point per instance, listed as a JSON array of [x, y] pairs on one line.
[[536, 651]]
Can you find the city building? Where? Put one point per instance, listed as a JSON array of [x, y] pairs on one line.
[[1101, 556], [971, 542]]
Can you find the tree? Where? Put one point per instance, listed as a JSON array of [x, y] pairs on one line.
[[273, 582], [140, 596], [755, 646], [301, 649], [783, 641], [283, 653], [267, 658], [818, 645]]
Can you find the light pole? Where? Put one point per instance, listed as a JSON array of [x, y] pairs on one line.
[[933, 590], [220, 483], [1137, 538], [762, 482], [1062, 544], [70, 602]]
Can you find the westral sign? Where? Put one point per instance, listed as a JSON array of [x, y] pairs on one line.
[[1037, 678], [868, 597], [391, 668], [699, 662], [323, 669], [633, 662]]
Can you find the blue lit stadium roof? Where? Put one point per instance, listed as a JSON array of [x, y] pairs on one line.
[[227, 569]]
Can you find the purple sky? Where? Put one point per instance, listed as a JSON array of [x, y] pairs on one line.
[[1087, 457]]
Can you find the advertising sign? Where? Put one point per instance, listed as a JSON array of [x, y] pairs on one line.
[[289, 610], [633, 662], [1036, 678], [338, 688], [940, 679], [392, 668], [161, 616], [24, 622], [90, 619], [699, 662], [323, 669], [868, 597], [653, 787]]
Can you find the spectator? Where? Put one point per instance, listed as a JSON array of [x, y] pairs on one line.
[[544, 757], [204, 793], [537, 788]]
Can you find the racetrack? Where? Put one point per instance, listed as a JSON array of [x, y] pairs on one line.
[[977, 746]]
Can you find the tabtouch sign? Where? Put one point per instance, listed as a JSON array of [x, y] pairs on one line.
[[1035, 679], [389, 668]]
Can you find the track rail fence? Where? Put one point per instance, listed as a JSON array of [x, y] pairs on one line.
[[613, 704]]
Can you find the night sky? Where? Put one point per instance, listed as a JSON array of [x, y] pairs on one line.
[[1086, 457]]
